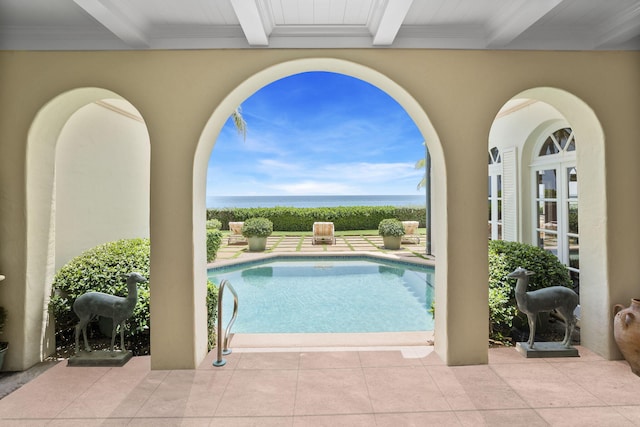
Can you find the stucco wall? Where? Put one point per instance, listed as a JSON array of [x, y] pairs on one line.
[[459, 91], [102, 180]]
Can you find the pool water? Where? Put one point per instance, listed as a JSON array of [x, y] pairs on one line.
[[328, 296]]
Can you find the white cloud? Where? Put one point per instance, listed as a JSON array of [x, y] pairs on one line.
[[298, 177], [281, 167], [373, 172], [312, 188], [331, 143]]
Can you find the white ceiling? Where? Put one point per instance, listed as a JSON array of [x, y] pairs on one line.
[[205, 24]]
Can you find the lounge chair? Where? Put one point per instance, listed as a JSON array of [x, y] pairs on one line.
[[323, 232], [410, 232], [236, 233]]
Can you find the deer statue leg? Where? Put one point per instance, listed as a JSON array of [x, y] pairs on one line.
[[84, 335], [570, 324], [532, 328], [82, 326], [122, 336], [77, 338], [567, 335], [113, 335], [572, 328]]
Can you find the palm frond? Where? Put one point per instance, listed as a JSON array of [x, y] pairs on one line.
[[422, 164], [239, 122]]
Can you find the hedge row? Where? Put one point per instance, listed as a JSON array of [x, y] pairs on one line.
[[504, 257], [101, 269], [214, 240], [344, 218]]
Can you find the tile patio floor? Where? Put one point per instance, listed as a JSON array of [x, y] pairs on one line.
[[372, 386]]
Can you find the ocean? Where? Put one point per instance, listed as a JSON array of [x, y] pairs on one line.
[[219, 202]]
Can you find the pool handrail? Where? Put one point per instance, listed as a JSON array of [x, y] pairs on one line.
[[223, 343]]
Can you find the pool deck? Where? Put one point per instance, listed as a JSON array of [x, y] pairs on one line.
[[333, 386], [303, 246]]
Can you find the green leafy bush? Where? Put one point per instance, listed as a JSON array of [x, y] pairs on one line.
[[214, 224], [3, 318], [504, 257], [257, 227], [101, 269], [212, 313], [214, 240], [301, 219], [391, 227]]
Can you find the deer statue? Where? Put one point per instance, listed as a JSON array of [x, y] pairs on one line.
[[88, 306], [559, 298]]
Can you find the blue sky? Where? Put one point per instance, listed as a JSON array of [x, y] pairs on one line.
[[318, 133]]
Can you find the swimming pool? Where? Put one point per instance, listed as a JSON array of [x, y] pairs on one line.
[[328, 295]]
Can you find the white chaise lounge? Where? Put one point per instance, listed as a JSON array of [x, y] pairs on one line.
[[411, 232], [236, 233], [323, 232]]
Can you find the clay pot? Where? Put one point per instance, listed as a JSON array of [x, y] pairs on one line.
[[626, 331]]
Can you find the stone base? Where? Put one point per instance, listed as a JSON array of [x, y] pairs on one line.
[[546, 349], [100, 358]]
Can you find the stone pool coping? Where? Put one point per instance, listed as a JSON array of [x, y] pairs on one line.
[[259, 257]]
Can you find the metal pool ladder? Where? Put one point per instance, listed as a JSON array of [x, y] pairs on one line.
[[220, 361]]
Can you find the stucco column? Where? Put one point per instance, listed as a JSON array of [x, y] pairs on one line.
[[461, 323], [176, 298]]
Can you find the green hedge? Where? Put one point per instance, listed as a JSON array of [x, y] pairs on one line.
[[214, 240], [344, 218], [212, 313], [101, 269], [214, 224], [504, 257]]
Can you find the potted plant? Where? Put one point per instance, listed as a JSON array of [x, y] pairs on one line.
[[391, 230], [256, 230], [3, 344]]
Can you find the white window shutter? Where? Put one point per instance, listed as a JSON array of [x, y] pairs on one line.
[[510, 194]]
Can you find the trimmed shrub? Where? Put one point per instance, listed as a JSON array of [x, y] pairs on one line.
[[212, 313], [214, 224], [257, 227], [101, 269], [391, 227], [301, 219], [3, 318], [214, 240], [504, 257]]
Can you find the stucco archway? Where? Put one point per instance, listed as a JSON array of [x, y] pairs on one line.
[[596, 294], [44, 133], [415, 111]]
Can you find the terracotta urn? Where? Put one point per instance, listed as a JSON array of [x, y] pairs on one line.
[[626, 331]]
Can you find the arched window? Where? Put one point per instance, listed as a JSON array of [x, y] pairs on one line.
[[555, 181], [495, 194]]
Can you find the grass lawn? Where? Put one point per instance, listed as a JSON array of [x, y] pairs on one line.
[[421, 232]]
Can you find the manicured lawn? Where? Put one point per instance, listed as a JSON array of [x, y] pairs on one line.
[[421, 231]]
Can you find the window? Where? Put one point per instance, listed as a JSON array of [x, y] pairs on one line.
[[495, 194], [555, 178]]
